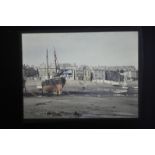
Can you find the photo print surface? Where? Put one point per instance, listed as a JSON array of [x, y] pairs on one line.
[[80, 75]]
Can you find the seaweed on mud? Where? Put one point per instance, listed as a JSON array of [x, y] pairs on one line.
[[40, 104], [54, 114]]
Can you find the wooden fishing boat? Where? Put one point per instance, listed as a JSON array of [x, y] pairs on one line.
[[55, 84]]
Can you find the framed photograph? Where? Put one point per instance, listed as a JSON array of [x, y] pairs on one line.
[[79, 75]]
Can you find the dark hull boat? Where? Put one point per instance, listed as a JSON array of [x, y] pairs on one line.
[[55, 84]]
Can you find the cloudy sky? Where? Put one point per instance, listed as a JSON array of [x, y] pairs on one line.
[[93, 48]]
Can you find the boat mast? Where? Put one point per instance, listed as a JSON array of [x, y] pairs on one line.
[[55, 60], [48, 76]]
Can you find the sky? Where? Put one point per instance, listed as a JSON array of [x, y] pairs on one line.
[[87, 48]]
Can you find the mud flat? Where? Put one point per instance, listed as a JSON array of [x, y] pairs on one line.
[[81, 100], [72, 106]]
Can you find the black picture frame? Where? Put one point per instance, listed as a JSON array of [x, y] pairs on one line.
[[15, 119]]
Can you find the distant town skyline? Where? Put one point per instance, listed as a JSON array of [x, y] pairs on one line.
[[52, 64], [91, 48]]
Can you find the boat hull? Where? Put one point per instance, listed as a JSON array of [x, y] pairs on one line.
[[54, 86], [118, 91]]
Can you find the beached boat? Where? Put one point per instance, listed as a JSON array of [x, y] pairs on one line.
[[121, 87], [133, 90], [136, 87], [120, 91], [55, 84]]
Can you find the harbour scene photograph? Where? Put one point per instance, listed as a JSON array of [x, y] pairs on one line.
[[80, 75]]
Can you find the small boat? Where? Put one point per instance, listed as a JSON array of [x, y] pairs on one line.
[[121, 88], [136, 87], [133, 90], [120, 91]]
